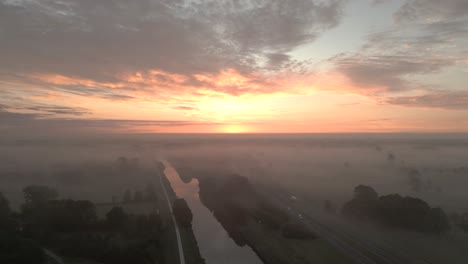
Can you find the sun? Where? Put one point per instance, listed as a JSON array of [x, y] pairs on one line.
[[234, 129]]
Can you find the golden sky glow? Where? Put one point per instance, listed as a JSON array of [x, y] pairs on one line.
[[368, 66]]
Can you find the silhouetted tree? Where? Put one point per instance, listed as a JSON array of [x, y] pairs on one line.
[[150, 192], [390, 157], [270, 215], [464, 222], [363, 205], [125, 165], [39, 194], [138, 197], [127, 196], [6, 223], [4, 206], [395, 210], [437, 221], [60, 215], [116, 217], [364, 192]]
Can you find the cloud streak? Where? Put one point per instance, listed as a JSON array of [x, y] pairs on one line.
[[445, 100], [18, 124]]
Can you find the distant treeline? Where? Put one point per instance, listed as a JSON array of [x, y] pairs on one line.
[[395, 211], [148, 195]]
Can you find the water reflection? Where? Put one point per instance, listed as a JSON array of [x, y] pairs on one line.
[[214, 242]]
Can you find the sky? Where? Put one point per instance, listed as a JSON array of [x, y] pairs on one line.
[[233, 66]]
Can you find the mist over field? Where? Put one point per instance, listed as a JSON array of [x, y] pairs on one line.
[[321, 171], [316, 166], [233, 132]]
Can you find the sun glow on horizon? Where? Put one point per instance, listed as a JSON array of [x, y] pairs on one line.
[[234, 129]]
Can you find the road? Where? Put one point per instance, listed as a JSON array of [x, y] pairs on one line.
[[179, 240], [360, 250], [53, 256]]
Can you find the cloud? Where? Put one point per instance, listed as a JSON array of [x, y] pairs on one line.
[[58, 110], [9, 119], [186, 108], [15, 124], [251, 25], [386, 72], [89, 46], [17, 103], [395, 60], [430, 11], [447, 100]]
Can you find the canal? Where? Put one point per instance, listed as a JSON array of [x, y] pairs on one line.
[[215, 245]]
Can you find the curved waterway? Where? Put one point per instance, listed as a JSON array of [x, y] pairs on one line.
[[215, 245]]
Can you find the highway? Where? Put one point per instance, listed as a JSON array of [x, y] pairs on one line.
[[357, 248], [53, 256]]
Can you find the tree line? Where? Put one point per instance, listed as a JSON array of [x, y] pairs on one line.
[[395, 210], [72, 229]]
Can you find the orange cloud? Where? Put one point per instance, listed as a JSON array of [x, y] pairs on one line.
[[65, 80]]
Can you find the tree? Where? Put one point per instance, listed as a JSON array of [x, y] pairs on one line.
[[363, 205], [464, 222], [394, 210], [39, 194], [125, 165], [438, 221], [151, 194], [389, 209], [390, 157], [364, 192], [6, 222], [4, 206], [127, 196], [69, 215], [116, 217], [138, 196], [270, 215]]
